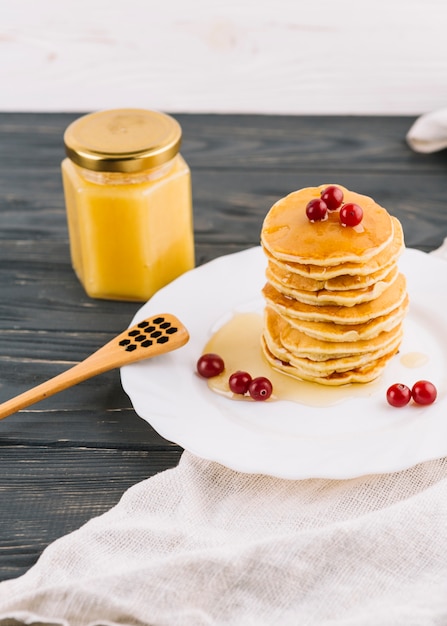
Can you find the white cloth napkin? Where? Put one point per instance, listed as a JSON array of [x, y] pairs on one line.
[[429, 132], [202, 545]]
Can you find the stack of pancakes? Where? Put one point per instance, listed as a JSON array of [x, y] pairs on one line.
[[335, 299]]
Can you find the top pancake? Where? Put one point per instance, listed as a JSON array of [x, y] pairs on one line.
[[334, 276], [289, 235]]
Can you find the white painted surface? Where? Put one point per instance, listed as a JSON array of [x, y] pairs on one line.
[[250, 56]]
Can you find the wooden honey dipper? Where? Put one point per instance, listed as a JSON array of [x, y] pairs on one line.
[[150, 337]]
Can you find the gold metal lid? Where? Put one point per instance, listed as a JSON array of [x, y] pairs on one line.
[[122, 140]]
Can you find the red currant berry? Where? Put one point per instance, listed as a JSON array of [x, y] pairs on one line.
[[260, 388], [239, 382], [398, 395], [316, 210], [332, 196], [351, 214], [210, 365], [424, 392]]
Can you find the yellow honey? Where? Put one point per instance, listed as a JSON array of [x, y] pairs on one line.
[[129, 203]]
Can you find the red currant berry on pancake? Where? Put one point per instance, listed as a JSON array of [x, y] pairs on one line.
[[316, 210], [332, 196], [351, 214]]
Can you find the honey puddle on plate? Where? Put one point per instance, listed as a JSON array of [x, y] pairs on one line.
[[413, 359], [238, 343]]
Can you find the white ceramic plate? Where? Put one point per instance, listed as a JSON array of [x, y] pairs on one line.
[[359, 435]]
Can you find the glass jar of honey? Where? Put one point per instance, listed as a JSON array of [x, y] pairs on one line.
[[129, 204]]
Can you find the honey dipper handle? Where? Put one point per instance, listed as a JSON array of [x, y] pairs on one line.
[[149, 338], [62, 381]]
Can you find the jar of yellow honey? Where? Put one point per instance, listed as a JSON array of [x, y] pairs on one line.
[[129, 203]]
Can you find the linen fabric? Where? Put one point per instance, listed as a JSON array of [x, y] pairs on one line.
[[202, 545]]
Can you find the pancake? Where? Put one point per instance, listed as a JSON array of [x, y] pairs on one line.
[[326, 243], [326, 365], [300, 344], [328, 331], [391, 298], [346, 297], [344, 282], [363, 374], [389, 254]]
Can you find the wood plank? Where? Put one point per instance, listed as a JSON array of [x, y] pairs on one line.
[[229, 207], [96, 412], [33, 144], [51, 491], [352, 143], [298, 57], [100, 426]]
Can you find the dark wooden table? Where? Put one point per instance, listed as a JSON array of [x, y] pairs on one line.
[[70, 457]]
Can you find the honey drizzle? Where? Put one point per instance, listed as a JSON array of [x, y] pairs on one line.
[[238, 342]]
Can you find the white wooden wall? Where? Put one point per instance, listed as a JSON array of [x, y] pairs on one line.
[[249, 56]]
